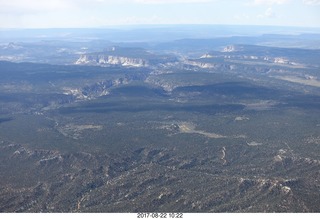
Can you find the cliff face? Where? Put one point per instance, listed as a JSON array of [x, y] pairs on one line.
[[100, 59]]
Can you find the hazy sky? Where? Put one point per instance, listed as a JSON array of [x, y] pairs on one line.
[[101, 13]]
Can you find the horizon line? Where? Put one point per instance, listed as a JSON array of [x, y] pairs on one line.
[[158, 25]]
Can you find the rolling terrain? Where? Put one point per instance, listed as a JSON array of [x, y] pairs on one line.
[[161, 126]]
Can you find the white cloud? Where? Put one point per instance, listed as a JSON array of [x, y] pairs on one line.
[[39, 6], [270, 2], [269, 13], [32, 6], [171, 1], [311, 2]]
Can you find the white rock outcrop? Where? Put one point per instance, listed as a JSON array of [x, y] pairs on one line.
[[110, 60]]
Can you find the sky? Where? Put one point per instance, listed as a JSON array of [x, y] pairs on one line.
[[105, 13]]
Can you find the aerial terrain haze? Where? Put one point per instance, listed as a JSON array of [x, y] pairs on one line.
[[160, 106]]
